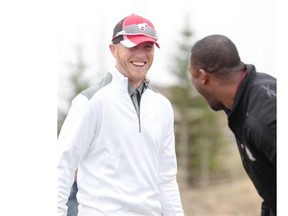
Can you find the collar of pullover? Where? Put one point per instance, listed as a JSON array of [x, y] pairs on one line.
[[123, 83]]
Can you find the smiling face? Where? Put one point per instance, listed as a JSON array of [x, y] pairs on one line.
[[202, 82], [134, 62]]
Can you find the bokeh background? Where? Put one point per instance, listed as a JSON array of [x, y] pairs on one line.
[[211, 178], [50, 50]]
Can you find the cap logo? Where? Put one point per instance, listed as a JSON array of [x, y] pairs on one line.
[[142, 26]]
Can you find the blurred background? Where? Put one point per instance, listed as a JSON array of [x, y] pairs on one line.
[[51, 50], [210, 174]]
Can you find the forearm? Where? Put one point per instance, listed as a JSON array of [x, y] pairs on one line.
[[170, 199], [65, 173]]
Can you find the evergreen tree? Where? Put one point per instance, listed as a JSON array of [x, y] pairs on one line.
[[78, 82], [197, 130]]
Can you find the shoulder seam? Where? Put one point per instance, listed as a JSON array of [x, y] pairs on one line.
[[88, 93]]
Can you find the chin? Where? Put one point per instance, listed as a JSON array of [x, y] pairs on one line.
[[217, 107]]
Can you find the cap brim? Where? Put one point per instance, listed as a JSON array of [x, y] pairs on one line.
[[134, 40]]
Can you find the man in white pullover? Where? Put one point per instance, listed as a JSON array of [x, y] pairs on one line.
[[120, 137]]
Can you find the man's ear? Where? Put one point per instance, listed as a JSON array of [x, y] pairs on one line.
[[203, 75], [113, 49]]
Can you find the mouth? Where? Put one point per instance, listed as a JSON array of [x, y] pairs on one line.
[[138, 63]]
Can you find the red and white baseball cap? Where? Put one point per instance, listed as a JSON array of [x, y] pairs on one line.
[[134, 30]]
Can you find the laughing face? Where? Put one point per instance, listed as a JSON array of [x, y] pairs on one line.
[[201, 80], [134, 62]]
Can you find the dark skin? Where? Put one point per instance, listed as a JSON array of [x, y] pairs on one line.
[[216, 71], [218, 91]]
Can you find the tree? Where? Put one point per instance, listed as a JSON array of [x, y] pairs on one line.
[[78, 82], [197, 131]]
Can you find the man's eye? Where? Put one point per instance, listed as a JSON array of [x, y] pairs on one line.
[[149, 46]]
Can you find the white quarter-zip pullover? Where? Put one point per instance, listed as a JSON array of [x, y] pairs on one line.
[[121, 170]]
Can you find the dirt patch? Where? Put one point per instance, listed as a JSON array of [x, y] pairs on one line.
[[237, 198]]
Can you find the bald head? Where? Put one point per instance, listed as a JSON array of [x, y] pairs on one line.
[[216, 54]]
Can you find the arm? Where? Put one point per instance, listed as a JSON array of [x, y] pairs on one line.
[[168, 186], [262, 129], [73, 142]]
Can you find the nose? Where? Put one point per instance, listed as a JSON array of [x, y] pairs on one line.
[[140, 51]]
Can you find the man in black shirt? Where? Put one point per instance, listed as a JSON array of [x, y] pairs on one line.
[[249, 100]]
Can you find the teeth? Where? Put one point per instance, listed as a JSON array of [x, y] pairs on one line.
[[138, 63]]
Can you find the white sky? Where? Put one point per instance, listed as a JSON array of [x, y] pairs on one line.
[[250, 24], [36, 43]]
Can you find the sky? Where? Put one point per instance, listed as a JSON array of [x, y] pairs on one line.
[[251, 25], [37, 42]]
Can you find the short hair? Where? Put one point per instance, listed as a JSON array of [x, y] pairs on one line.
[[216, 54]]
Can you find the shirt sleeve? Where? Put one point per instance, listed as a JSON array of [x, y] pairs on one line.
[[262, 130], [169, 191], [73, 142]]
